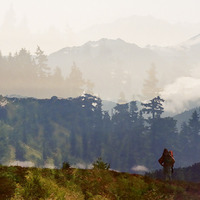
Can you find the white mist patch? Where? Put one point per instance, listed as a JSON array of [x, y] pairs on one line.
[[22, 163], [82, 166], [94, 104], [181, 95], [50, 166], [140, 168], [3, 102]]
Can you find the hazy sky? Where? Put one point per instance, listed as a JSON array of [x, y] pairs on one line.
[[50, 18], [79, 14]]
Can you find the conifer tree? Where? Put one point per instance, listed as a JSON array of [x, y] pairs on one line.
[[194, 123], [75, 82], [154, 107], [41, 61]]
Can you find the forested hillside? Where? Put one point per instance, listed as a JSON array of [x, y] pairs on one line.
[[77, 130]]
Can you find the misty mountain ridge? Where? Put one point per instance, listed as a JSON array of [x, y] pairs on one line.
[[141, 30], [192, 41], [103, 60], [122, 67]]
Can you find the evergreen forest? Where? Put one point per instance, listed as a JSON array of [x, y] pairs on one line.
[[77, 130]]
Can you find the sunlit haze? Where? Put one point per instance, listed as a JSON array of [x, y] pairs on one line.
[[54, 24]]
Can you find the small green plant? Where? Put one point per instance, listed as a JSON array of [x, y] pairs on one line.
[[65, 165], [33, 187], [100, 164]]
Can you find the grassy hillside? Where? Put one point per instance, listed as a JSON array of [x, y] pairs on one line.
[[190, 174], [94, 184]]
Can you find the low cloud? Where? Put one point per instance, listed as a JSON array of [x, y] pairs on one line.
[[139, 168], [182, 95], [22, 163], [82, 166], [50, 166]]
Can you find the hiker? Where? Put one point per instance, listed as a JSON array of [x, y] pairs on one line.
[[167, 161]]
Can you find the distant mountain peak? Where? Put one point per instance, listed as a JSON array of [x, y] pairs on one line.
[[103, 42], [195, 37], [106, 40], [192, 41]]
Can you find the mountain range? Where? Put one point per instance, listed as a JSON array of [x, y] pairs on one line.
[[116, 66], [141, 30]]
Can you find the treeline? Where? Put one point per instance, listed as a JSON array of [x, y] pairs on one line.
[[30, 75], [77, 130]]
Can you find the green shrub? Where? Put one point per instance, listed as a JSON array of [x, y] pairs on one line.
[[7, 187], [100, 164], [33, 187], [65, 165]]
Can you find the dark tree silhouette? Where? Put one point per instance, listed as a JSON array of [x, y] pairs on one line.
[[154, 107]]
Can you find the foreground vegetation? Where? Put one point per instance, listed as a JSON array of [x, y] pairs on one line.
[[189, 174], [92, 184]]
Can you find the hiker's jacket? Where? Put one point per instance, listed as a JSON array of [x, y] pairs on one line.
[[166, 160]]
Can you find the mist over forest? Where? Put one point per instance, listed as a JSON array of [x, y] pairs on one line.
[[72, 71], [29, 76]]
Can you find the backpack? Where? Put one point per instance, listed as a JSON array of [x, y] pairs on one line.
[[168, 159], [171, 153]]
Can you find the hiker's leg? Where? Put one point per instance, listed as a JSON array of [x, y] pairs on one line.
[[167, 173], [170, 174]]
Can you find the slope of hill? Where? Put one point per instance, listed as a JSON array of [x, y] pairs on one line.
[[184, 117], [194, 41], [76, 184], [192, 48], [190, 174]]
